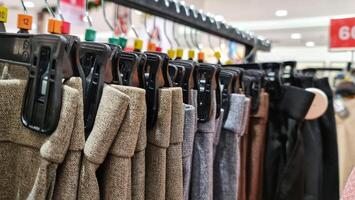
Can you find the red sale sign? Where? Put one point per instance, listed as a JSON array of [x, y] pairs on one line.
[[342, 34]]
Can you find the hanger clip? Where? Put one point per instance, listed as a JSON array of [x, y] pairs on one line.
[[42, 100]]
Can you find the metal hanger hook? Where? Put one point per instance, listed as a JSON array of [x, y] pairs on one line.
[[24, 7], [210, 42], [105, 16], [146, 27], [131, 24], [185, 37], [194, 39], [49, 8], [87, 13], [166, 34], [60, 11], [174, 35]]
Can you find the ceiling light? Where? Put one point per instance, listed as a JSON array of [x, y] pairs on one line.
[[281, 13], [296, 36], [29, 4], [310, 44], [137, 12]]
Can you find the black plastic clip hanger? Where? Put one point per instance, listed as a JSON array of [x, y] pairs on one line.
[[226, 78], [129, 64], [42, 99], [93, 58], [189, 79], [116, 73], [165, 68], [218, 91], [237, 78], [154, 77], [177, 73], [207, 83], [289, 68], [143, 60]]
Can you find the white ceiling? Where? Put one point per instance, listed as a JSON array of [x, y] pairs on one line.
[[308, 17]]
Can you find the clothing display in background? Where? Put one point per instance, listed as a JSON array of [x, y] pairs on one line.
[[346, 148]]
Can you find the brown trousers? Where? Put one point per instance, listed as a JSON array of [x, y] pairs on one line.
[[256, 148]]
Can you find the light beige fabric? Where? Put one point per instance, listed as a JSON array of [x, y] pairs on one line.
[[158, 142], [110, 114], [346, 144], [115, 172], [138, 161], [67, 180], [174, 172], [29, 160]]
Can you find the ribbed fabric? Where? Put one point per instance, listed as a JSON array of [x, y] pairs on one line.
[[202, 161], [157, 144], [346, 141], [110, 114], [190, 128], [174, 171], [115, 173], [29, 160], [225, 168], [257, 139], [67, 180]]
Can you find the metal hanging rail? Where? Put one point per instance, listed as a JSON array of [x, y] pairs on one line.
[[186, 15]]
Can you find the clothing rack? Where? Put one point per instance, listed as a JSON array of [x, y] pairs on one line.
[[192, 17]]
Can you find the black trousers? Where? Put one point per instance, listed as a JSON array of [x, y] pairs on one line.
[[284, 157]]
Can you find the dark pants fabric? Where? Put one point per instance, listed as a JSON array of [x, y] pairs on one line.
[[284, 157], [321, 149]]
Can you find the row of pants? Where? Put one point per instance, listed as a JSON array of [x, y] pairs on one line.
[[271, 153], [179, 158]]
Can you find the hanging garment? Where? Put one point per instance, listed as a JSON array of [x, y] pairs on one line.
[[346, 141], [28, 159], [138, 162], [349, 189], [190, 123], [67, 179], [110, 114], [202, 159], [157, 144], [321, 153], [284, 158], [174, 169], [243, 149], [257, 137], [219, 124], [225, 168], [115, 173]]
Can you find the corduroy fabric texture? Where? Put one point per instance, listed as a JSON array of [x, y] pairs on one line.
[[256, 144], [174, 171], [202, 159], [225, 168], [346, 141], [66, 185], [243, 148], [29, 160], [138, 162], [110, 114], [157, 143], [115, 173], [190, 127]]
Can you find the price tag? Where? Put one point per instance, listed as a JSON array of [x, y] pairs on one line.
[[342, 34], [24, 21], [3, 14]]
